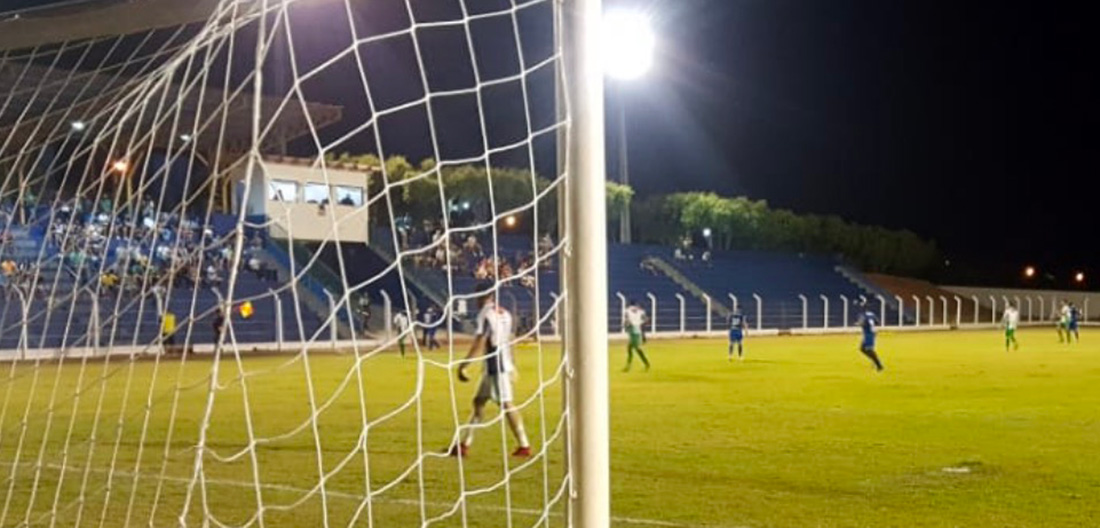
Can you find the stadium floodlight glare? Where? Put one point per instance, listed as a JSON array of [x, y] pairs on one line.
[[1080, 277], [628, 44], [1029, 271], [79, 126]]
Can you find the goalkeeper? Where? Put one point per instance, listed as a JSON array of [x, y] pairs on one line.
[[494, 341]]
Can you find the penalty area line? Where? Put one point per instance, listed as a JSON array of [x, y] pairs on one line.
[[352, 496]]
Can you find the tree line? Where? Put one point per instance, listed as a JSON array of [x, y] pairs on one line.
[[419, 192]]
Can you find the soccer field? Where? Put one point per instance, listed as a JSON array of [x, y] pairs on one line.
[[956, 432]]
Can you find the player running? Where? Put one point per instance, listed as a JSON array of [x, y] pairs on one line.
[[493, 340], [634, 320], [1010, 320], [737, 334], [867, 322]]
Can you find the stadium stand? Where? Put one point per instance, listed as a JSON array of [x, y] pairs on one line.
[[78, 299], [908, 288]]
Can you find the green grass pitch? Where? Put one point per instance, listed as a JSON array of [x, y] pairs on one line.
[[956, 432]]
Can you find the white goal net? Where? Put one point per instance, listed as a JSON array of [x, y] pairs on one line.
[[244, 260]]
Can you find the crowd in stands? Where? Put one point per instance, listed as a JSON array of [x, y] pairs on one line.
[[97, 243], [467, 255]]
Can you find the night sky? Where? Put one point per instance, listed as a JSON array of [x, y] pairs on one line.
[[972, 123]]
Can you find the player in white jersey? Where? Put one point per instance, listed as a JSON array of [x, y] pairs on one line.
[[1063, 322], [1010, 321], [634, 320], [494, 341], [401, 325]]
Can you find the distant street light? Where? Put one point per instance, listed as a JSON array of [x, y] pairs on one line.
[[510, 220], [1080, 277], [121, 166], [78, 126], [186, 138], [706, 232], [1029, 271], [628, 45]]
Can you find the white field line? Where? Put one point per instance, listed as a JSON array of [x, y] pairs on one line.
[[354, 496]]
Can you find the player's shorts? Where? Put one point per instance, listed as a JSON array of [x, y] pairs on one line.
[[635, 338], [868, 343], [496, 387], [1010, 333], [736, 336], [1073, 326], [168, 340]]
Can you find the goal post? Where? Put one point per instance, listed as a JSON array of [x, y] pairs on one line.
[[586, 327]]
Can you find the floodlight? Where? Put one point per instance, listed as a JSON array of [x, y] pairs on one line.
[[628, 44]]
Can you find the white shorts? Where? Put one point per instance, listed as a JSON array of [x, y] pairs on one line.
[[495, 387]]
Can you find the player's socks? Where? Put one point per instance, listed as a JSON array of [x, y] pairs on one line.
[[641, 356], [521, 435], [874, 359]]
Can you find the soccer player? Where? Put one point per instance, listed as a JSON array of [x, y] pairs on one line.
[[493, 340], [401, 324], [1010, 321], [737, 333], [634, 320], [168, 332], [1064, 314], [1059, 323], [430, 328], [1071, 323], [867, 322]]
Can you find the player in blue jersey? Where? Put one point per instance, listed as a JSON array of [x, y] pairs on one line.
[[867, 323], [1071, 324], [737, 333]]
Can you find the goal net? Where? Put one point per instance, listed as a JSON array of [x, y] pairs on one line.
[[243, 263]]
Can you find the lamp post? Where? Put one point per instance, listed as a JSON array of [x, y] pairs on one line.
[[628, 53]]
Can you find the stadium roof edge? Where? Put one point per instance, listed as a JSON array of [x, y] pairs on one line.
[[292, 160], [71, 21]]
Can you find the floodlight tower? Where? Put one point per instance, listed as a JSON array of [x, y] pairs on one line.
[[628, 44]]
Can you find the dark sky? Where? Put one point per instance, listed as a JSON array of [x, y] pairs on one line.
[[974, 123]]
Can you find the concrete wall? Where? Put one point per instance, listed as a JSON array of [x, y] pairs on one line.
[[1087, 302]]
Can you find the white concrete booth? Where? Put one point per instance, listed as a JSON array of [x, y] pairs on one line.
[[307, 202]]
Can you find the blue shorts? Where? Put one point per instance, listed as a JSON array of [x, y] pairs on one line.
[[1073, 326], [736, 336], [868, 343]]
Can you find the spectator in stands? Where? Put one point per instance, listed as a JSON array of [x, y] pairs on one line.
[[108, 281], [213, 279]]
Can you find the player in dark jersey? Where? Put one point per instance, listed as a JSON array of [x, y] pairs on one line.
[[1072, 324], [737, 334], [867, 323]]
